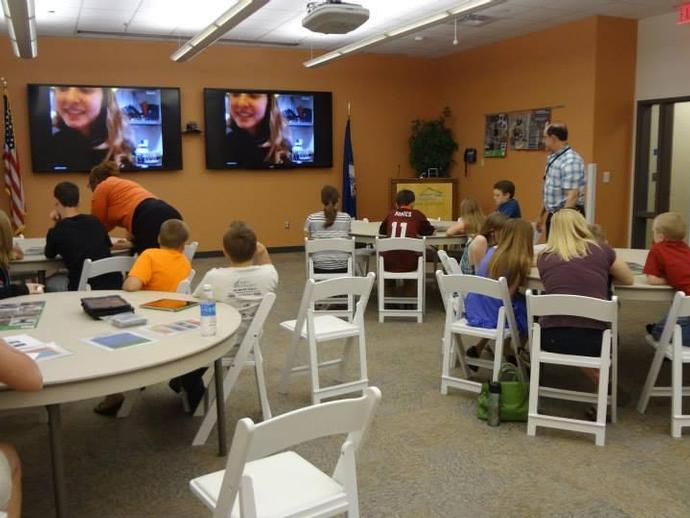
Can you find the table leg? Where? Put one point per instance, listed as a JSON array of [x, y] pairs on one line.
[[57, 460], [220, 407]]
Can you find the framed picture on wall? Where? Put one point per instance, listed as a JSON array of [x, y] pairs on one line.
[[496, 135]]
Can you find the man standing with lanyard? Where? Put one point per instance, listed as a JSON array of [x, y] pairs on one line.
[[564, 176]]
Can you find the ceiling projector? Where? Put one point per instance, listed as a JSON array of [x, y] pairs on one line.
[[334, 17]]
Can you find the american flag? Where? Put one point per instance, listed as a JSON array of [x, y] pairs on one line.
[[13, 177]]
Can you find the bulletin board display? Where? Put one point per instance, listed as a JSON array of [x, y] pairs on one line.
[[435, 197]]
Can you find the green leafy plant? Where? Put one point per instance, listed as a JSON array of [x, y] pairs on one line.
[[432, 145]]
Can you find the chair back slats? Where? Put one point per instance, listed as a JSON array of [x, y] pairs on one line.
[[344, 416], [465, 284], [254, 441], [410, 244], [572, 305], [337, 244], [92, 269]]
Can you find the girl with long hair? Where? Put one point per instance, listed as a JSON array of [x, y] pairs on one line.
[[89, 128], [470, 220], [511, 258], [257, 131], [7, 253], [328, 223], [476, 247]]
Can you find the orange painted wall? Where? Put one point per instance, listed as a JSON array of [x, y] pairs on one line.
[[585, 67], [383, 91], [572, 67], [614, 110]]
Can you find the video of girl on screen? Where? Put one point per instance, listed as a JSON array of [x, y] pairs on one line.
[[268, 130], [93, 124]]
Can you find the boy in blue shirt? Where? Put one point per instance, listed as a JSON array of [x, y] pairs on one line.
[[503, 197]]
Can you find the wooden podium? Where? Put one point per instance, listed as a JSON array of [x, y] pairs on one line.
[[435, 197]]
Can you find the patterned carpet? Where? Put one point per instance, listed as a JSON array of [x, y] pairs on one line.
[[426, 455]]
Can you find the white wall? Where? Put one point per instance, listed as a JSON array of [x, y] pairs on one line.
[[680, 164], [663, 58]]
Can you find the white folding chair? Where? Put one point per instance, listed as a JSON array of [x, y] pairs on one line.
[[340, 247], [325, 328], [190, 250], [416, 245], [262, 480], [670, 345], [91, 269], [362, 255], [450, 264], [456, 326], [247, 354], [586, 307], [185, 286]]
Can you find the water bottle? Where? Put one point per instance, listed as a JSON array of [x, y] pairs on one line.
[[493, 414], [208, 312]]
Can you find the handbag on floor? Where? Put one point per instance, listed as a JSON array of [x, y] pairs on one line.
[[514, 396]]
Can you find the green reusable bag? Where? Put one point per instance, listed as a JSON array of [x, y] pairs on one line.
[[514, 396]]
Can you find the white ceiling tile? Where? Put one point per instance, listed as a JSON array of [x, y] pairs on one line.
[[109, 4], [280, 20], [105, 14]]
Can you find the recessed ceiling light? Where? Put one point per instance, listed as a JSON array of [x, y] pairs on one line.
[[418, 38]]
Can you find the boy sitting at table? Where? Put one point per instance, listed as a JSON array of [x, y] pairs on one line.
[[242, 284], [156, 269], [404, 221], [668, 262], [76, 237], [162, 269]]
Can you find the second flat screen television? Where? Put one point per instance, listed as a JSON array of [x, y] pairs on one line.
[[262, 129]]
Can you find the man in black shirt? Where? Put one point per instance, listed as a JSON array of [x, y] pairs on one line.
[[76, 237]]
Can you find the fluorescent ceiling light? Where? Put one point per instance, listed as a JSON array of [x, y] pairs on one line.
[[426, 22], [21, 24], [240, 10], [465, 7]]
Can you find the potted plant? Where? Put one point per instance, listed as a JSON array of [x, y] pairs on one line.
[[432, 145]]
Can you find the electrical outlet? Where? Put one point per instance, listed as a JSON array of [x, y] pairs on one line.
[[481, 163], [286, 224], [606, 177]]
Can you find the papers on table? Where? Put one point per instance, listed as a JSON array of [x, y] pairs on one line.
[[25, 315], [635, 267], [119, 340], [175, 327], [35, 349]]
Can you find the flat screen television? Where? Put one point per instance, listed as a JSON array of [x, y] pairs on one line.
[[75, 127], [267, 129]]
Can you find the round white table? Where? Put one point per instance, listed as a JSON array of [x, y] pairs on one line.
[[92, 371], [368, 231], [639, 291]]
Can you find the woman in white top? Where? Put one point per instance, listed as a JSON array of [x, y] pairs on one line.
[[325, 224]]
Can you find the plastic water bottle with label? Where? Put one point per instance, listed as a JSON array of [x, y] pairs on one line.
[[208, 312]]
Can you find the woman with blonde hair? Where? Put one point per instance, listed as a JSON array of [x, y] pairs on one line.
[[469, 223], [89, 128], [573, 262], [257, 131]]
